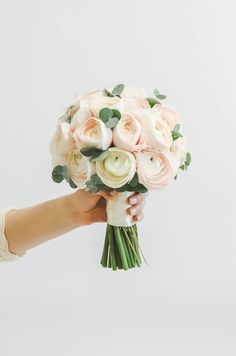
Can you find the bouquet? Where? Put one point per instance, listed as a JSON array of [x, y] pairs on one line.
[[119, 140]]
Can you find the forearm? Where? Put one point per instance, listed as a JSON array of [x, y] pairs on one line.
[[29, 227]]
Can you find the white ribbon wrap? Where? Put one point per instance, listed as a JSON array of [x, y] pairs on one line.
[[117, 214]]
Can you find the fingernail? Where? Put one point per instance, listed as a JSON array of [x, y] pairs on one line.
[[133, 211], [133, 200]]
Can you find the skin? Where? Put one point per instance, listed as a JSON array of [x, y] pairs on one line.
[[29, 227]]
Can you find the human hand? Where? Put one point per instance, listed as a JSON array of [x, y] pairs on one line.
[[91, 207]]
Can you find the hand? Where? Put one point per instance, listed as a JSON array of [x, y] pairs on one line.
[[91, 208]]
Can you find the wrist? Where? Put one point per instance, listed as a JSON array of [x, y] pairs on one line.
[[74, 212]]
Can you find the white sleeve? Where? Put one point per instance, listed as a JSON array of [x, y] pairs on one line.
[[5, 254]]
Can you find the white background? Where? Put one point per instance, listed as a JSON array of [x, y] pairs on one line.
[[57, 300]]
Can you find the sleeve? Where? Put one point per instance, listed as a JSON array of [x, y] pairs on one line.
[[5, 254]]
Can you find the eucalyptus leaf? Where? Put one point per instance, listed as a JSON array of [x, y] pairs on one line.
[[72, 184], [140, 188], [124, 188], [98, 156], [112, 122], [152, 101], [176, 135], [134, 181], [117, 90], [188, 159], [161, 96], [175, 177], [116, 113], [156, 92], [176, 128], [106, 92], [182, 167], [105, 114], [87, 151]]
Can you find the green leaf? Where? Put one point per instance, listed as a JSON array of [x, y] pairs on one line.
[[57, 175], [105, 114], [57, 178], [182, 167], [176, 128], [98, 156], [106, 92], [72, 184], [188, 159], [134, 181], [140, 188], [116, 113], [112, 122], [175, 177], [156, 92], [152, 101], [124, 188], [88, 151], [96, 179], [161, 96], [176, 135], [117, 90]]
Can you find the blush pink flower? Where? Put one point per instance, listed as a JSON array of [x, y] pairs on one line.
[[155, 169], [170, 116], [127, 133]]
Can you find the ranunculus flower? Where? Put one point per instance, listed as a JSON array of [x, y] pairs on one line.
[[155, 131], [61, 144], [117, 169], [134, 99], [155, 169], [170, 116], [80, 167], [127, 133], [99, 102], [93, 133], [179, 150]]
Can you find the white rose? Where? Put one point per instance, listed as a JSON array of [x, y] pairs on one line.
[[80, 168], [117, 169], [155, 131], [93, 133], [127, 133]]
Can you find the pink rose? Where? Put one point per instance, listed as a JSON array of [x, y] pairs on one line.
[[170, 116], [93, 133], [155, 131], [127, 133], [155, 169]]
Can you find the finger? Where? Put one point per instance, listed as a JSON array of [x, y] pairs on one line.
[[136, 209], [137, 198], [138, 217]]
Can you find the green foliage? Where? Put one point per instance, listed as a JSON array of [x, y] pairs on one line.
[[94, 153], [61, 173], [176, 135], [105, 114], [158, 95], [152, 101], [117, 90], [110, 117]]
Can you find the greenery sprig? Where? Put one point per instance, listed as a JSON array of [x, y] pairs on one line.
[[154, 100], [61, 173], [95, 185], [117, 90], [94, 154], [110, 117], [175, 132], [186, 164]]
